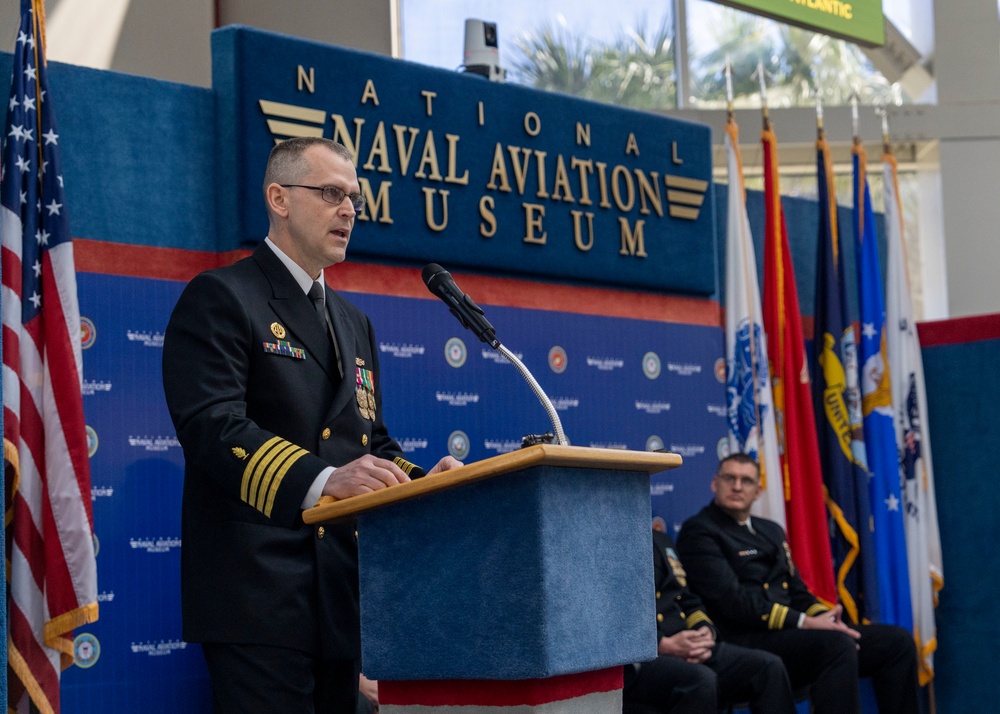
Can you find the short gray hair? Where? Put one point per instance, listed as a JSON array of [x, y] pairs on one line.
[[285, 165]]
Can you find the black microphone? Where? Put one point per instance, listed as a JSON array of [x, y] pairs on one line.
[[439, 281]]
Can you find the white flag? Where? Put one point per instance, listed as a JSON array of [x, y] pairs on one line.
[[923, 542], [748, 386]]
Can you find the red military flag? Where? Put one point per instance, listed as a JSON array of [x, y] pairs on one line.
[[52, 586], [805, 510]]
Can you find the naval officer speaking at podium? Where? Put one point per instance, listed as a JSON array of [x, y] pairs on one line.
[[272, 383]]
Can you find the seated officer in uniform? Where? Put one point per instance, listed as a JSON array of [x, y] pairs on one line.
[[742, 569], [694, 672]]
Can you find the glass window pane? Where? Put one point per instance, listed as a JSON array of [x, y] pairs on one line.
[[798, 62], [622, 53]]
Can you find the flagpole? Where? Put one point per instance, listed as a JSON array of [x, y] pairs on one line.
[[854, 117], [858, 150], [729, 89], [778, 387], [762, 78]]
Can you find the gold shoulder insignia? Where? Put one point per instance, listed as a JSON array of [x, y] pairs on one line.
[[240, 452]]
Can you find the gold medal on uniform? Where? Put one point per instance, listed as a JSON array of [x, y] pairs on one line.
[[362, 402], [365, 393]]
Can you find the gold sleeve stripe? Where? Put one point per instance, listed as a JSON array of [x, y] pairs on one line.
[[696, 618], [252, 465], [276, 454], [265, 472], [778, 615], [405, 465], [817, 609], [278, 465], [276, 483]]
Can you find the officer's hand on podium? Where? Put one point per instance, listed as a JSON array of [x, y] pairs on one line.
[[364, 475], [448, 462]]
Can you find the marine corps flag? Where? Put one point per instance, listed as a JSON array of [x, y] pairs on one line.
[[52, 586], [876, 406], [748, 386], [837, 404], [804, 503], [923, 542]]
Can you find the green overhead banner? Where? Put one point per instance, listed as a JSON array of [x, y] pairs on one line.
[[855, 20]]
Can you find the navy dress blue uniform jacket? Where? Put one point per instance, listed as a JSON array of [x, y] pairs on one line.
[[747, 580], [260, 408]]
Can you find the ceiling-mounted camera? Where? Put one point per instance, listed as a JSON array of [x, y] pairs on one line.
[[482, 51]]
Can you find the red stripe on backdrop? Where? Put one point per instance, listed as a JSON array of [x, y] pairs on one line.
[[93, 256], [499, 693], [958, 330]]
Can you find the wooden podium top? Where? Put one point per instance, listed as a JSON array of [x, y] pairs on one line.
[[329, 509]]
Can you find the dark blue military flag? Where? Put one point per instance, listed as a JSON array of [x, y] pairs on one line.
[[839, 428]]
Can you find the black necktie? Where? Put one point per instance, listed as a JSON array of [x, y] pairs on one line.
[[316, 295]]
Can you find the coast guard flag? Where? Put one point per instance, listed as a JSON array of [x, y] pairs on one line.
[[923, 542], [837, 404], [52, 585], [748, 386], [805, 507], [876, 405]]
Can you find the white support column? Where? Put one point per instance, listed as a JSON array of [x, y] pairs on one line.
[[967, 69], [932, 277]]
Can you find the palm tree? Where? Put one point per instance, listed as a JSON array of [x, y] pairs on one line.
[[635, 70], [744, 40], [801, 65], [552, 59]]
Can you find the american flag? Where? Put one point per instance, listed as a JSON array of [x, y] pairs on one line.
[[52, 584]]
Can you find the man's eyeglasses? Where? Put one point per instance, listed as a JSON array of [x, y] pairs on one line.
[[332, 194], [730, 479]]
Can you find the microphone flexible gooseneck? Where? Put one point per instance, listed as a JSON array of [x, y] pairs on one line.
[[440, 283]]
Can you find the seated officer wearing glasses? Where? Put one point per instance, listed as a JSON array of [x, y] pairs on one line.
[[694, 673], [272, 382], [742, 568]]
